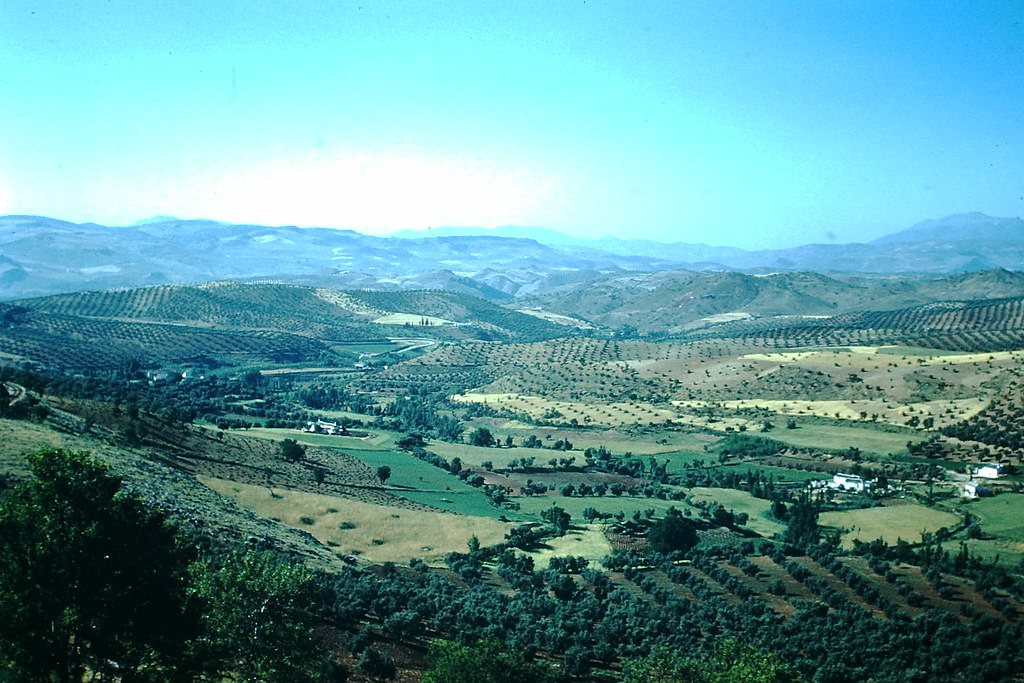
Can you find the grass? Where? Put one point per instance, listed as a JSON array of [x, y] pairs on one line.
[[355, 527], [412, 478], [838, 437], [381, 347], [741, 501], [1001, 515], [583, 540], [891, 523]]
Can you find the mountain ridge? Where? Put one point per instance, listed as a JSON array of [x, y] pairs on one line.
[[41, 255]]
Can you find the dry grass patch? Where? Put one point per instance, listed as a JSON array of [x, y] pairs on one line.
[[608, 414], [412, 319], [584, 540], [557, 318], [374, 532], [945, 411]]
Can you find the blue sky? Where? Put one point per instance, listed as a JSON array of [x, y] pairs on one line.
[[753, 124]]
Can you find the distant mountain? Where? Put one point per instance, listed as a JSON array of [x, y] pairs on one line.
[[961, 226], [542, 235], [40, 256]]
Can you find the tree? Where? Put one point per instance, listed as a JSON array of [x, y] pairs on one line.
[[672, 532], [482, 436], [92, 579], [376, 664], [383, 473], [558, 518], [484, 662], [291, 450], [802, 523], [732, 662], [259, 614]]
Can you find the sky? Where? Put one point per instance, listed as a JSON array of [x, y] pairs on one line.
[[740, 123]]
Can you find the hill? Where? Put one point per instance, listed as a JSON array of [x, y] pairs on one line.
[[675, 302], [231, 323]]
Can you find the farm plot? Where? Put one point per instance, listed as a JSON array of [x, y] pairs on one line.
[[412, 319], [377, 533], [583, 540], [1002, 523], [838, 437], [943, 412], [741, 501], [411, 478], [891, 523], [539, 408]]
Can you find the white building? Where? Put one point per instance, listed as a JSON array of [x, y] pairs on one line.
[[989, 471], [973, 489], [323, 427], [849, 482]]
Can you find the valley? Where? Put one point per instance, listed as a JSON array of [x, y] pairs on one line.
[[842, 460]]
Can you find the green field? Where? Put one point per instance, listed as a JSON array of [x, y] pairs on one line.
[[741, 501], [837, 437], [1001, 515], [411, 477], [891, 524], [778, 473]]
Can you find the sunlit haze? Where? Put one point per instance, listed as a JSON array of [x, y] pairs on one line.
[[730, 123]]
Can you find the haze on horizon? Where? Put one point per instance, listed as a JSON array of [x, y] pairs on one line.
[[730, 123]]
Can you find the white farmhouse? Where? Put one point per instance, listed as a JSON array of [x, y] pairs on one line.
[[990, 471], [849, 482]]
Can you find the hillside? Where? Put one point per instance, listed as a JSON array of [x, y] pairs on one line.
[[675, 302], [237, 324]]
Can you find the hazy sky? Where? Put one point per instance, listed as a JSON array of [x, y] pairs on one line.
[[746, 123]]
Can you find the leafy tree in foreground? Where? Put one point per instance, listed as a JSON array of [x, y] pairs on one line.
[[732, 662], [485, 662], [91, 579], [259, 614]]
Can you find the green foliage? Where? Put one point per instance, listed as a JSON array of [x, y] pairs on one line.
[[484, 662], [91, 580], [732, 662], [558, 518], [672, 532], [383, 473], [802, 528], [376, 664], [291, 450], [482, 436], [259, 614], [748, 445]]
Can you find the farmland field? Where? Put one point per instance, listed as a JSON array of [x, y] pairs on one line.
[[374, 532], [839, 437], [741, 501], [890, 523]]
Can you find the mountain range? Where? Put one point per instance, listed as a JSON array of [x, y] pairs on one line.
[[41, 256]]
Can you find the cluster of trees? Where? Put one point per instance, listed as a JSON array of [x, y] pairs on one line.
[[420, 415], [95, 581]]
